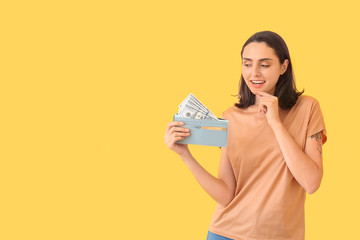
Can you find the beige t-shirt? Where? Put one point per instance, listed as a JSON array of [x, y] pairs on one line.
[[269, 202]]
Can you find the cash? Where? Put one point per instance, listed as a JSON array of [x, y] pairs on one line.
[[191, 107]]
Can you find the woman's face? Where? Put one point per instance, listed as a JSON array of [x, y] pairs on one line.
[[261, 67]]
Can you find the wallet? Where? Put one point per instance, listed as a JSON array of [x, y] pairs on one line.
[[205, 132]]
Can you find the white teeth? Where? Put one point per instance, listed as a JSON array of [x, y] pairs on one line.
[[257, 82]]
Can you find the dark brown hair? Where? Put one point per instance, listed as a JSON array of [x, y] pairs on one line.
[[285, 89]]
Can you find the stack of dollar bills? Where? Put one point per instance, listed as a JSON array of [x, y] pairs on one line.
[[191, 107]]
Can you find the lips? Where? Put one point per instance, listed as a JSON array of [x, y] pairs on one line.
[[257, 83]]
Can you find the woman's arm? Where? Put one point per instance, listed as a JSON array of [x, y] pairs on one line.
[[221, 189], [305, 166]]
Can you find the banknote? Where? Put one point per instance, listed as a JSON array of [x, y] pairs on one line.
[[191, 107]]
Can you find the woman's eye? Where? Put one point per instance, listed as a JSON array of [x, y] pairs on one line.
[[265, 65], [246, 65]]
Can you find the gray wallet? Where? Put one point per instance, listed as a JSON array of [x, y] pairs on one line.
[[205, 132]]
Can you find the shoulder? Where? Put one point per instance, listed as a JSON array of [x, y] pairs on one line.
[[228, 112], [306, 107], [306, 101]]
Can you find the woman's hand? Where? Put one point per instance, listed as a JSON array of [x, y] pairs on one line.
[[268, 105], [173, 134]]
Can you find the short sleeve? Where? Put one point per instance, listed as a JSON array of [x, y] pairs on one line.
[[223, 115], [316, 122]]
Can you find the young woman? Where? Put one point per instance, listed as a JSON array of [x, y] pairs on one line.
[[274, 151]]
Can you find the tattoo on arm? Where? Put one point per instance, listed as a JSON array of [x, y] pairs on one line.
[[318, 137]]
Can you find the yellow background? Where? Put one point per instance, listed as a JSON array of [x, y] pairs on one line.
[[87, 88]]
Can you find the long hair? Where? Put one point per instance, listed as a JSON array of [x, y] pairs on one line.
[[285, 89]]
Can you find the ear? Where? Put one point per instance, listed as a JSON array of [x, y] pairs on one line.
[[284, 66]]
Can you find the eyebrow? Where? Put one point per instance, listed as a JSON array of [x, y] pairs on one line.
[[262, 59]]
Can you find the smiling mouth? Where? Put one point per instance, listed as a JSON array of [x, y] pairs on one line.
[[257, 82]]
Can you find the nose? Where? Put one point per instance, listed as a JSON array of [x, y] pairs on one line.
[[256, 71]]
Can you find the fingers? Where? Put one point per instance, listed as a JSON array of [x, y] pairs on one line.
[[172, 138], [180, 134], [263, 109], [179, 129], [268, 99], [172, 128], [174, 133], [175, 139], [265, 97], [266, 102], [172, 124], [262, 94]]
